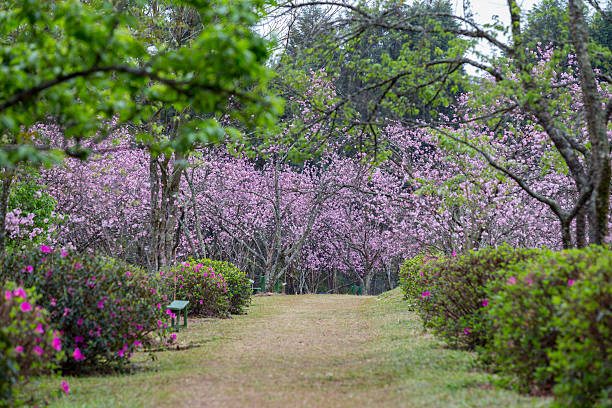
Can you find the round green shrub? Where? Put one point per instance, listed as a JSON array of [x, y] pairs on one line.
[[204, 288], [238, 284], [29, 346], [449, 292], [552, 317], [105, 309], [409, 276]]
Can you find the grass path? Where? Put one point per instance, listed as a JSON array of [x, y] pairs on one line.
[[303, 351]]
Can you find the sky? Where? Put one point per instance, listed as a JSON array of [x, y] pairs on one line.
[[484, 10]]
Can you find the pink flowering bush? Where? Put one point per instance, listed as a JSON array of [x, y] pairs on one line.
[[29, 346], [450, 292], [204, 287], [551, 321], [237, 283], [105, 309]]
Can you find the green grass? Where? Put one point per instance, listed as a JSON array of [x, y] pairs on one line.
[[303, 351]]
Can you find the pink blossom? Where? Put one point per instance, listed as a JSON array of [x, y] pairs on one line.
[[38, 350], [570, 282], [173, 336], [26, 307], [425, 294], [29, 268], [19, 349], [467, 330], [100, 305], [485, 303], [57, 343], [8, 295], [45, 249], [511, 280], [19, 292], [78, 339], [65, 387], [80, 321], [78, 356]]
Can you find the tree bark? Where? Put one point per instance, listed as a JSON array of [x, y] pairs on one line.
[[596, 124]]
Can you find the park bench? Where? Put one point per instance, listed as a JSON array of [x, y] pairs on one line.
[[178, 306]]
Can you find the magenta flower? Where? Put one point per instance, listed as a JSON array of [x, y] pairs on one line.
[[26, 307], [39, 329], [485, 303], [78, 339], [80, 321], [137, 343], [29, 268], [100, 305], [121, 353], [78, 356], [425, 294], [65, 387], [454, 253], [38, 350], [64, 254], [570, 282], [173, 336], [467, 330], [19, 349], [159, 323], [19, 292], [45, 249], [511, 280], [57, 343], [8, 295]]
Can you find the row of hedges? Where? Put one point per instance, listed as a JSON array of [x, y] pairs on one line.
[[541, 318], [82, 312]]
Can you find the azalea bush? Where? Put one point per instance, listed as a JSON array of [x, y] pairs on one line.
[[105, 309], [450, 292], [204, 288], [409, 276], [551, 321], [29, 346], [237, 283]]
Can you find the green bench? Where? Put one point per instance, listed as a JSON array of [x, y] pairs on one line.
[[178, 306]]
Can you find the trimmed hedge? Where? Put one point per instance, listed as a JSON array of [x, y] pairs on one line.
[[203, 287], [213, 288], [105, 309], [450, 292], [28, 344], [237, 282], [542, 318], [552, 324]]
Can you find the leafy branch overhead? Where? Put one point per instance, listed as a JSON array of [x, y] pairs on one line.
[[88, 66]]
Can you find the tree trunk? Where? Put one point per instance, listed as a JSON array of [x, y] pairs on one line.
[[596, 124], [7, 180]]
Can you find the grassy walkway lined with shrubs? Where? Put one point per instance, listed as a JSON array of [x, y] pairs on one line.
[[303, 351]]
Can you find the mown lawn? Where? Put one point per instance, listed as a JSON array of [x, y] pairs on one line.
[[303, 351]]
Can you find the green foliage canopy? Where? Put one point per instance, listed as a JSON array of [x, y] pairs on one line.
[[85, 66]]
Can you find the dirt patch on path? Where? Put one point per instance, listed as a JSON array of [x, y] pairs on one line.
[[290, 351]]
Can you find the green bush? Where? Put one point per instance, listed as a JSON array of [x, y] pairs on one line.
[[409, 276], [551, 318], [238, 284], [28, 345], [204, 288], [449, 292], [105, 309]]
